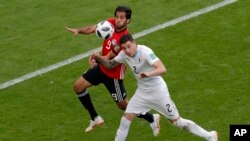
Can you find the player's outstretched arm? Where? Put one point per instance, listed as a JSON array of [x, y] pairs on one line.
[[84, 30], [75, 31]]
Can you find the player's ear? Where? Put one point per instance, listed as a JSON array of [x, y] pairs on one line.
[[128, 21]]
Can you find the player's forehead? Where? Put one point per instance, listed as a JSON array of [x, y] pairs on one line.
[[120, 14], [127, 44]]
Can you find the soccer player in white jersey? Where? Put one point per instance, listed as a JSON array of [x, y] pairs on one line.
[[152, 91]]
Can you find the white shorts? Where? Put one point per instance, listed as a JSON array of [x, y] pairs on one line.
[[158, 99]]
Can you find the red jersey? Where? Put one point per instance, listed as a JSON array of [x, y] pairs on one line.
[[113, 44]]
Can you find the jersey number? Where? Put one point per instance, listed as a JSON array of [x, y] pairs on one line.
[[168, 108], [108, 45], [135, 70]]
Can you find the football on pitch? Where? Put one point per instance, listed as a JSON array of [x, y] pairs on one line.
[[104, 30]]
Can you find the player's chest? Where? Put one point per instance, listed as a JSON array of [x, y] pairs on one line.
[[113, 42], [136, 64]]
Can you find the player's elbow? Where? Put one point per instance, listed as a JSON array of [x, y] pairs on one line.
[[108, 66], [163, 70]]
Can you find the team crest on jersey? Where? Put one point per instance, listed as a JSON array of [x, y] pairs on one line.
[[114, 43], [116, 48], [152, 56]]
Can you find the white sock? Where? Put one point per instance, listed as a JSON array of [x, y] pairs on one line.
[[192, 127], [122, 131]]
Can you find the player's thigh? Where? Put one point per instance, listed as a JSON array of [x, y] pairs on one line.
[[81, 84], [94, 75], [138, 104], [159, 99], [166, 106]]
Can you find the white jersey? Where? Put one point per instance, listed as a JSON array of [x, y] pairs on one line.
[[142, 62], [152, 92]]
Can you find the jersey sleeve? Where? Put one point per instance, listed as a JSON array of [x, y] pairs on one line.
[[150, 56], [112, 21], [120, 57]]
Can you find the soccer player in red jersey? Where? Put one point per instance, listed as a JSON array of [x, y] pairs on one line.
[[111, 78]]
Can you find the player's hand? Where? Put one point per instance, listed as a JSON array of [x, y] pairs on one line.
[[73, 30], [95, 54], [143, 75], [92, 62]]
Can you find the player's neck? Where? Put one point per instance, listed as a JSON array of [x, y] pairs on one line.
[[121, 29]]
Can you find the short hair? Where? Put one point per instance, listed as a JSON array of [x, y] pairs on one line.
[[125, 38], [125, 9]]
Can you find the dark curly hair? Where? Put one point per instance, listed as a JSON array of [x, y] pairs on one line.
[[125, 9]]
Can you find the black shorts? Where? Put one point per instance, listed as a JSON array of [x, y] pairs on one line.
[[115, 86]]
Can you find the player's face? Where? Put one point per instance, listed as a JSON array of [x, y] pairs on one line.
[[129, 48], [121, 21]]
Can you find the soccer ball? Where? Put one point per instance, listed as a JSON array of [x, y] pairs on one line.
[[104, 30]]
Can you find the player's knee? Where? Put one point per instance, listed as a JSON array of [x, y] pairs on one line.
[[80, 85], [122, 108], [178, 123], [76, 88], [129, 116], [122, 105], [182, 123]]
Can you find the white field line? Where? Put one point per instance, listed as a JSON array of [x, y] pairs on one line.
[[137, 35]]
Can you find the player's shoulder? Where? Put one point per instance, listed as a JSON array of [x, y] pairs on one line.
[[144, 48], [145, 51], [111, 20]]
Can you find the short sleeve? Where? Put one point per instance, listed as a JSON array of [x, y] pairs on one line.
[[120, 57], [150, 56], [111, 20]]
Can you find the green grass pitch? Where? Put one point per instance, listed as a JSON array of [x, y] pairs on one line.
[[207, 58]]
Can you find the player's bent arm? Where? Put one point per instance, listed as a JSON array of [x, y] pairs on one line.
[[92, 62], [106, 63], [159, 70], [110, 55]]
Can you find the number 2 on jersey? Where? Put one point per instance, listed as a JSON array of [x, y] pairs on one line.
[[168, 108], [135, 70]]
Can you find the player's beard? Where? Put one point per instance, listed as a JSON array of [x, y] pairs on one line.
[[122, 27]]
